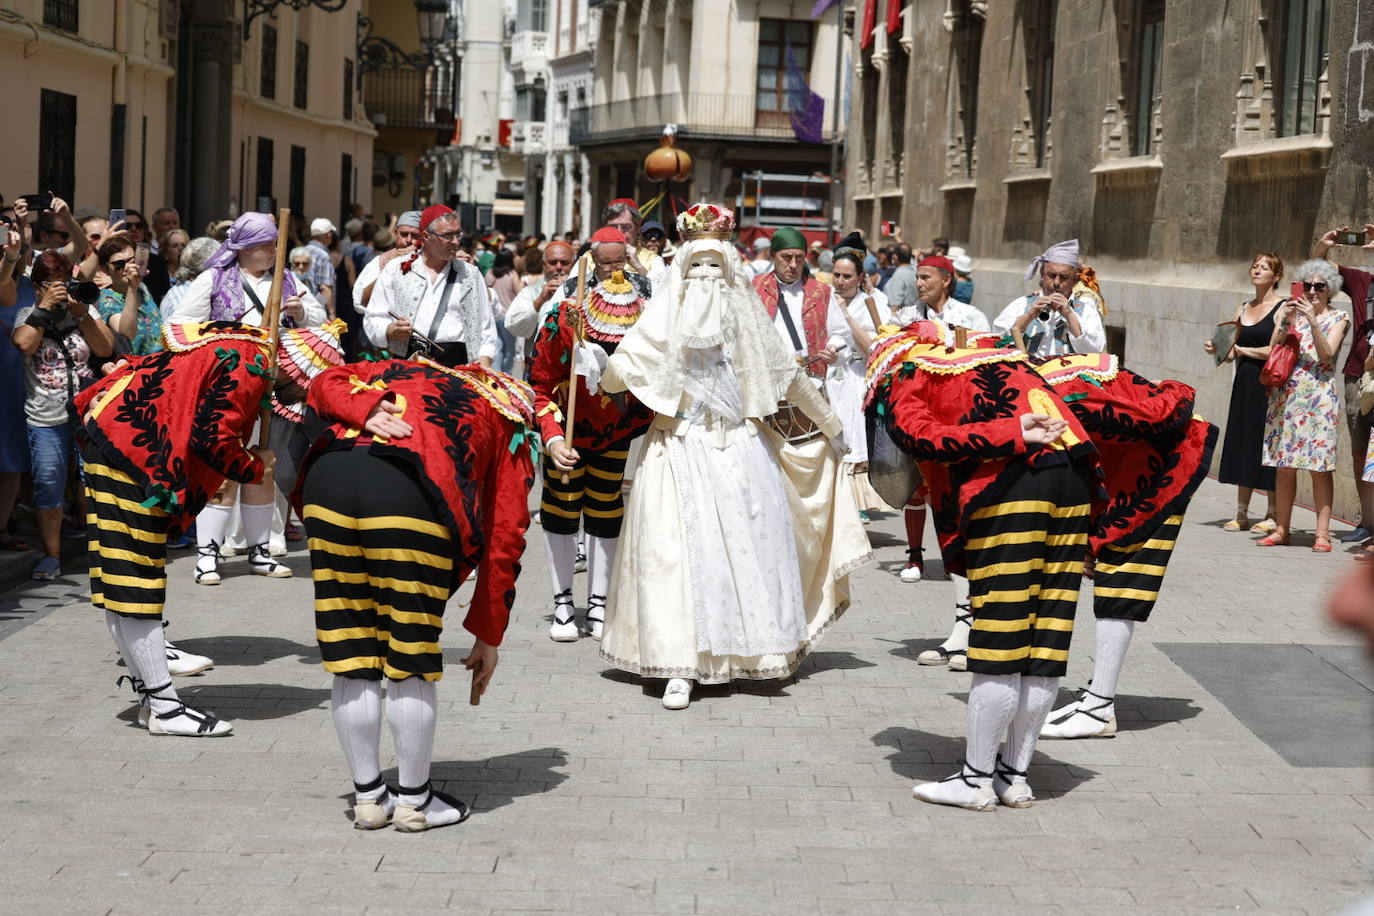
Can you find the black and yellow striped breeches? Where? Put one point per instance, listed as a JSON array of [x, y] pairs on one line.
[[382, 564], [1126, 584], [128, 542], [593, 492], [1025, 563]]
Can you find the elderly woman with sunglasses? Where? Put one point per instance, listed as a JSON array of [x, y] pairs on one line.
[[1300, 429], [126, 304]]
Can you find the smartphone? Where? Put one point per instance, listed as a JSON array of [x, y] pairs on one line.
[[141, 252], [889, 227], [38, 202], [116, 216], [1350, 237], [265, 205], [1295, 291]]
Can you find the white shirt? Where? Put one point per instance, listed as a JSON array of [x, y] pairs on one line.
[[955, 314], [366, 277], [194, 305], [379, 309], [790, 297], [522, 318], [760, 266], [858, 310], [1052, 338]]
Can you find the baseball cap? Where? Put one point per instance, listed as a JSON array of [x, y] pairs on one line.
[[353, 225], [320, 225]]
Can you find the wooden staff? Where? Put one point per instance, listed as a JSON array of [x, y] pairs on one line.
[[961, 337], [873, 313], [572, 360], [272, 321]]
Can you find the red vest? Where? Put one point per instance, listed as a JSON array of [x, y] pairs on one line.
[[598, 424], [815, 306], [178, 421], [1154, 449], [470, 448]]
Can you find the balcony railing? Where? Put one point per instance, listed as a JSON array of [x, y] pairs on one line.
[[405, 97], [527, 47], [700, 113]]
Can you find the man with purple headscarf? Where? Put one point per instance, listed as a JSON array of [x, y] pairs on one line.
[[1053, 321], [233, 286]]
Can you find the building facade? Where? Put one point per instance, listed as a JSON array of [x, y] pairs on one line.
[[90, 93], [1174, 138], [750, 86]]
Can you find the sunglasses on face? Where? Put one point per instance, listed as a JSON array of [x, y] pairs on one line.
[[1314, 287], [300, 265], [135, 225], [120, 264]]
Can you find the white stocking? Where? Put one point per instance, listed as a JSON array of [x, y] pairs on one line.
[[257, 524], [147, 658], [958, 637], [992, 702], [1113, 639], [1036, 698], [600, 562], [562, 550], [212, 526], [112, 621], [411, 710], [356, 706]]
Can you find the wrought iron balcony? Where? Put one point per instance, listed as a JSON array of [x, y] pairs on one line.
[[405, 97], [700, 114]]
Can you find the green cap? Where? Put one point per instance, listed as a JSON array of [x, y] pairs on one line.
[[787, 238]]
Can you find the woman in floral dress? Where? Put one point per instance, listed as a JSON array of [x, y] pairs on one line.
[[1304, 413]]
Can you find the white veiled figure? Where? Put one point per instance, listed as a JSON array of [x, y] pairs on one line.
[[707, 585]]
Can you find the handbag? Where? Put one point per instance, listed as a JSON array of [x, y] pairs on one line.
[[1283, 356]]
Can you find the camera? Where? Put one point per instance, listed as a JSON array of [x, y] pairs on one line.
[[1045, 315], [82, 291], [1350, 237]]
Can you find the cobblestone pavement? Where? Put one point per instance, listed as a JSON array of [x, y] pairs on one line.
[[790, 798]]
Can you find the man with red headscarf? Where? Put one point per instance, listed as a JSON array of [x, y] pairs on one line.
[[432, 301], [582, 478]]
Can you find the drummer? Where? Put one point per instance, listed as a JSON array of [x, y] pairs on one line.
[[800, 306]]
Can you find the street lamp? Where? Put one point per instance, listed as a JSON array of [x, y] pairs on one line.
[[375, 52], [433, 19]]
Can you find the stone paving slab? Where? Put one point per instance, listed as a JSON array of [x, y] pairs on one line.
[[763, 798]]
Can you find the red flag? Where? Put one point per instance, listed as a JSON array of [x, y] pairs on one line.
[[894, 16], [870, 18]]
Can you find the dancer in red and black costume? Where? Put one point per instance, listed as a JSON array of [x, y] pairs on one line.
[[1011, 475], [445, 457], [583, 478], [160, 435], [1156, 452]]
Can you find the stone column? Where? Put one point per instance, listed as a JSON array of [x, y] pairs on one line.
[[211, 96]]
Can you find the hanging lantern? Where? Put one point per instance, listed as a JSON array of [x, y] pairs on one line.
[[668, 163]]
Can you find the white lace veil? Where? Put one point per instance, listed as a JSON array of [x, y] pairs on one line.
[[697, 313]]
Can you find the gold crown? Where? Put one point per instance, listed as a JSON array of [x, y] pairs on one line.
[[724, 235]]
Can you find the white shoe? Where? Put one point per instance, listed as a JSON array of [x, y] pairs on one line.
[[596, 616], [958, 661], [373, 813], [184, 721], [427, 815], [181, 663], [277, 550], [1091, 717], [564, 626], [910, 573], [1011, 786], [261, 563], [580, 563], [678, 693], [226, 551], [207, 564], [959, 790]]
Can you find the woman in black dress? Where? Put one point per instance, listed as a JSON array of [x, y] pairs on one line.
[[1241, 450]]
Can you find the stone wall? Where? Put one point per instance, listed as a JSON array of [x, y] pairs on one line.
[[1170, 233]]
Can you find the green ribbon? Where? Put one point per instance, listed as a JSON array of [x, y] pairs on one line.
[[257, 368], [1007, 341], [1090, 380], [1076, 396], [266, 402], [228, 357], [907, 370], [162, 497], [526, 436]]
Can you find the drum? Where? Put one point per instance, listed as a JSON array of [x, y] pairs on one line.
[[891, 471], [793, 425]]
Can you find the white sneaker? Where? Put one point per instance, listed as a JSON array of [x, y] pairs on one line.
[[261, 563], [564, 626], [910, 573], [1091, 717], [181, 663], [678, 693]]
